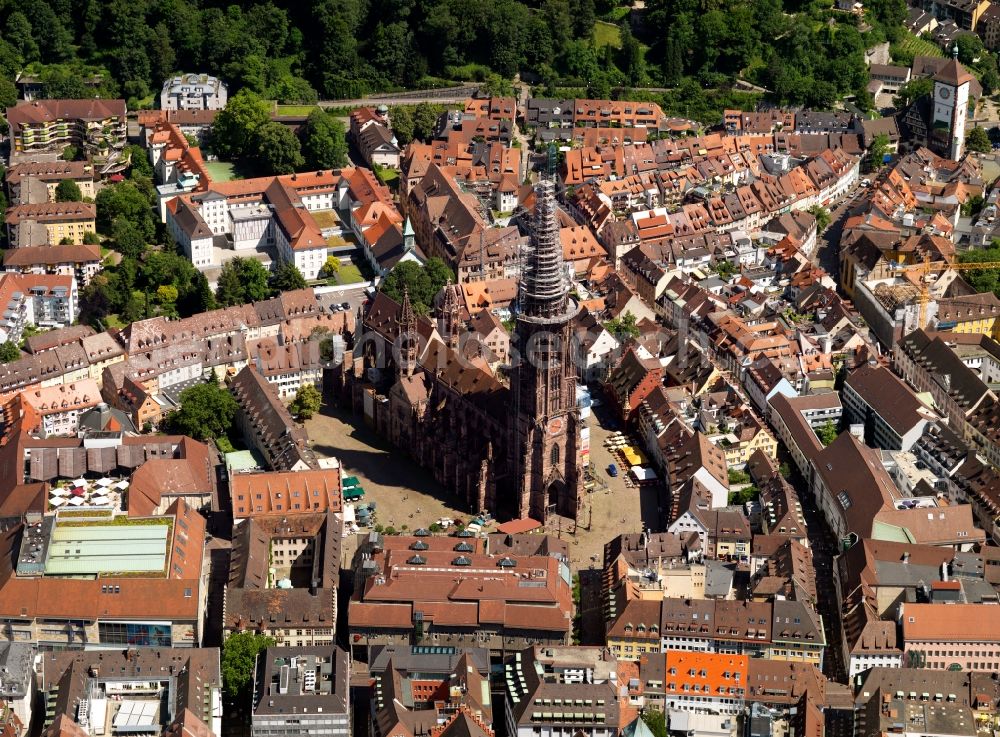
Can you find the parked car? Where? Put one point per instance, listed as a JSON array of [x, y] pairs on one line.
[[612, 470]]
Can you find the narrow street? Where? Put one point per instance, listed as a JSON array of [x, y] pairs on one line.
[[825, 549], [828, 242]]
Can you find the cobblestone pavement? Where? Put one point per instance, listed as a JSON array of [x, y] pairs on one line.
[[407, 495]]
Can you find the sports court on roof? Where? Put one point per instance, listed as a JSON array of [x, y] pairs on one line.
[[82, 550]]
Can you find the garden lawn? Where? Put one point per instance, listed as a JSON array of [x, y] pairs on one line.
[[295, 110], [607, 34], [220, 171], [349, 274]]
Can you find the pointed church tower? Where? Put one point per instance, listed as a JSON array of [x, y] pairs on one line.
[[546, 422], [450, 314], [408, 338], [409, 236]]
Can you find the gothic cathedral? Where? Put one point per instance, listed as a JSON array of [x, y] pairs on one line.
[[546, 425]]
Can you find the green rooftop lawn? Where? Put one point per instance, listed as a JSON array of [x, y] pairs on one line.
[[325, 218]]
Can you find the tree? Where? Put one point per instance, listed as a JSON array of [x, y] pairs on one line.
[[138, 161], [912, 90], [877, 151], [286, 278], [235, 127], [307, 402], [331, 267], [822, 216], [425, 118], [19, 33], [631, 62], [496, 86], [656, 721], [127, 238], [9, 352], [422, 282], [278, 150], [70, 153], [239, 657], [623, 327], [127, 202], [8, 93], [970, 48], [91, 238], [242, 280], [324, 141], [977, 140], [987, 280], [207, 411], [827, 432], [68, 191], [401, 119]]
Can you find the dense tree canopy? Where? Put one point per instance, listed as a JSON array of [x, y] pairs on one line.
[[68, 191], [286, 277], [207, 411], [132, 290], [239, 656], [324, 141], [307, 402], [801, 52], [242, 280], [422, 282]]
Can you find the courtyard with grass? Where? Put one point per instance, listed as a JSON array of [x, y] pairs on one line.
[[348, 274], [220, 171]]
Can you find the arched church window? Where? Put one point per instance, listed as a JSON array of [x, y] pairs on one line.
[[554, 455]]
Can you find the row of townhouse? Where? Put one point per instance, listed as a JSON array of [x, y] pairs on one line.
[[274, 336], [779, 630], [667, 172]]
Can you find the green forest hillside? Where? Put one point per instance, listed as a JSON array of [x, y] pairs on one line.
[[800, 52]]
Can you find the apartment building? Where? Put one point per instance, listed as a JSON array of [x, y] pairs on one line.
[[283, 577], [43, 300], [49, 223], [447, 591], [700, 682], [418, 689], [51, 125], [286, 492], [35, 182], [82, 262], [56, 410], [553, 691], [267, 426], [893, 417], [132, 690], [931, 639], [302, 692], [193, 92]]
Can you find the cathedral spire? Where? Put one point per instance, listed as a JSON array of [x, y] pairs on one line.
[[408, 340], [544, 287]]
